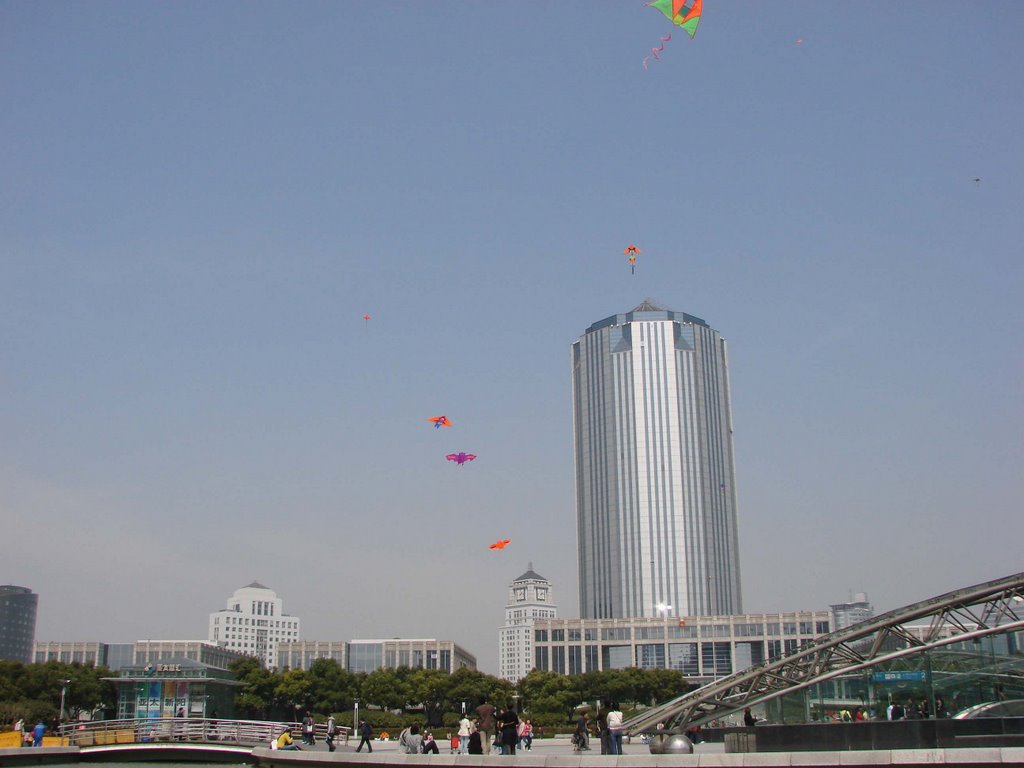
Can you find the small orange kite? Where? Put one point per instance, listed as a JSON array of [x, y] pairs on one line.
[[440, 421], [501, 544], [632, 251]]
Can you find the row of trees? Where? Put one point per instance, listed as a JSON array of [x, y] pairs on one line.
[[548, 698], [392, 696], [33, 691]]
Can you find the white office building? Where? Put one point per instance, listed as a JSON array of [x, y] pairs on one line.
[[703, 648], [529, 598], [254, 623], [655, 470]]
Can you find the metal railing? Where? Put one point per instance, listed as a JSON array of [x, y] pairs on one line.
[[195, 730]]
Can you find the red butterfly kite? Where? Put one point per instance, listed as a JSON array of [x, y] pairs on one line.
[[440, 421], [501, 544], [460, 458]]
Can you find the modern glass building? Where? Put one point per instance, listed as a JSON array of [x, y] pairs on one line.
[[370, 655], [655, 469], [17, 623], [701, 647], [116, 656]]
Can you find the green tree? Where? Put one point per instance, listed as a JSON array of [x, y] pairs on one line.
[[548, 695], [663, 685], [469, 686], [256, 697], [384, 688], [292, 693], [332, 689]]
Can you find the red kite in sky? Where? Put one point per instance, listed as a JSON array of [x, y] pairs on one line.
[[632, 251]]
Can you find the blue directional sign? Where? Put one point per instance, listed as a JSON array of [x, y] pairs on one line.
[[902, 676]]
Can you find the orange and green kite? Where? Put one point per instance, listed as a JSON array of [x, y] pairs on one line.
[[676, 12]]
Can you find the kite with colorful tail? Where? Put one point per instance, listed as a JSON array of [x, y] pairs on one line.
[[676, 12]]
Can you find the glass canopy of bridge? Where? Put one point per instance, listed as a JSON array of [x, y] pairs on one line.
[[943, 680]]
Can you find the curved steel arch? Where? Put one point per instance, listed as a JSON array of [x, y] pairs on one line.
[[993, 607]]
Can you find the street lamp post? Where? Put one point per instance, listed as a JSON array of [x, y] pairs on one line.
[[355, 715], [63, 693]]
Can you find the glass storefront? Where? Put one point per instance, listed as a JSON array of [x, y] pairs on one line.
[[164, 689]]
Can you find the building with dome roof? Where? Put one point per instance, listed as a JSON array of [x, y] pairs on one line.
[[530, 598], [254, 623]]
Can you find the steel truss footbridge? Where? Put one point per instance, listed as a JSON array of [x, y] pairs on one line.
[[971, 613]]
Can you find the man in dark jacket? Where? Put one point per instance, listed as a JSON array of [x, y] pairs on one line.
[[486, 725], [365, 733]]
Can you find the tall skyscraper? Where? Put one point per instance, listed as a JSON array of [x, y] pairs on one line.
[[655, 470], [17, 623]]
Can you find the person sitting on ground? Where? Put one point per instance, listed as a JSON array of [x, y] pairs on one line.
[[413, 740], [285, 741], [429, 745]]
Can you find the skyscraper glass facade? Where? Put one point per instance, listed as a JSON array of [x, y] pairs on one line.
[[17, 623], [655, 469]]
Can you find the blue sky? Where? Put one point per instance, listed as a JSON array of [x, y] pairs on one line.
[[201, 200]]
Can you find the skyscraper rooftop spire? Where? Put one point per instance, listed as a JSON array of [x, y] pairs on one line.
[[648, 305]]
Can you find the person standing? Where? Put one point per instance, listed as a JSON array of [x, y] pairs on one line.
[[37, 734], [332, 728], [525, 734], [365, 734], [750, 721], [475, 742], [179, 728], [465, 728], [509, 725], [614, 725], [308, 724], [19, 728], [581, 736], [485, 713]]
